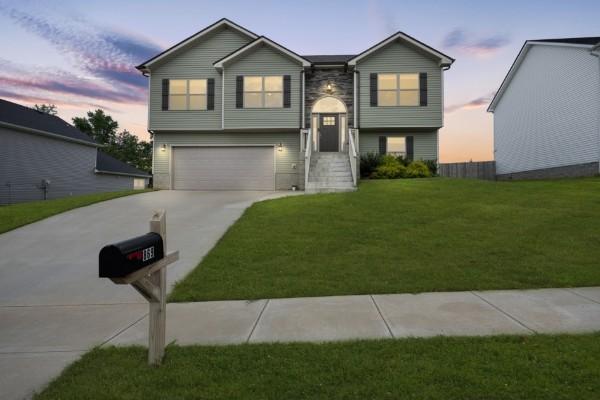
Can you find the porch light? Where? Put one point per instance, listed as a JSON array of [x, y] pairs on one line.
[[329, 88], [163, 147], [280, 147]]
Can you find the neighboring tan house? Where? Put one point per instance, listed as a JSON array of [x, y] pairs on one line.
[[547, 111], [232, 110], [43, 157]]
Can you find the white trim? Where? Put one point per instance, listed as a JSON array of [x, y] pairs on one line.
[[49, 134], [197, 36], [220, 64], [303, 116], [356, 105], [223, 100], [517, 63], [444, 60]]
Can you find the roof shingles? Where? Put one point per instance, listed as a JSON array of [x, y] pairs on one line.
[[26, 117]]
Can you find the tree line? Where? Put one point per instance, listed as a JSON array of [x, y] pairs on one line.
[[101, 127]]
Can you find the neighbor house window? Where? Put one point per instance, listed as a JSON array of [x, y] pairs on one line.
[[187, 94], [397, 90], [263, 91], [396, 146]]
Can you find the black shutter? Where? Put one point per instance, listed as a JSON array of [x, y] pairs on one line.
[[287, 91], [382, 145], [210, 94], [165, 94], [239, 91], [410, 147], [423, 86], [373, 80]]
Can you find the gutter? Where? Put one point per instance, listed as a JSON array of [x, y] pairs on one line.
[[49, 134], [595, 51], [98, 171]]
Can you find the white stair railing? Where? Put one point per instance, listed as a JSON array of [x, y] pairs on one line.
[[352, 154], [307, 154]]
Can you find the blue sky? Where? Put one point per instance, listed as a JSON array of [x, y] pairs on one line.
[[80, 55]]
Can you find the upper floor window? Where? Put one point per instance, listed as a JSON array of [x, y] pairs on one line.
[[187, 94], [263, 91], [398, 89]]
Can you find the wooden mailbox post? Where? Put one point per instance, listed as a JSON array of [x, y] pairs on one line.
[[151, 282]]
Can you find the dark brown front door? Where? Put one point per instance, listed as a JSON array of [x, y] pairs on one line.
[[329, 133]]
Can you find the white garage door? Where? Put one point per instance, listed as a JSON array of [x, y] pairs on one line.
[[223, 168]]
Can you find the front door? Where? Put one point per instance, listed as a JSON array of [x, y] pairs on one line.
[[329, 133]]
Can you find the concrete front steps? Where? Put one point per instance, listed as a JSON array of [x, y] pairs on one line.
[[329, 172]]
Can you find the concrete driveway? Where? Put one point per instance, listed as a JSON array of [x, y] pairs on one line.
[[53, 306]]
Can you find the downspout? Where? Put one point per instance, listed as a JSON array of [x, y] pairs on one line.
[[223, 99], [302, 115], [596, 53]]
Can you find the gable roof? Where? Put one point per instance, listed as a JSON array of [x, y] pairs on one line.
[[106, 164], [585, 42], [444, 59], [222, 22], [591, 40], [261, 40], [329, 59], [17, 116]]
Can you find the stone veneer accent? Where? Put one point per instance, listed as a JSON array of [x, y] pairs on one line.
[[342, 83], [567, 171]]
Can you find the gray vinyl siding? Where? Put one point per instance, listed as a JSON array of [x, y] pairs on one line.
[[549, 114], [111, 183], [26, 159], [425, 143], [194, 62], [285, 174], [398, 58], [262, 62]]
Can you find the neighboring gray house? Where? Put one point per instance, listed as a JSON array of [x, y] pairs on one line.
[[42, 156], [547, 111], [232, 110]]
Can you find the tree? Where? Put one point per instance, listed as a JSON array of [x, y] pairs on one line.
[[49, 109], [122, 145], [98, 125]]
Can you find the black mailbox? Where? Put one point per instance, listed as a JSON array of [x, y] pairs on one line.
[[121, 259]]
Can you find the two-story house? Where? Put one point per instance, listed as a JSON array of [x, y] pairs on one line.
[[231, 110]]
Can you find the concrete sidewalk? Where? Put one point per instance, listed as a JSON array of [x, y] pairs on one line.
[[320, 319]]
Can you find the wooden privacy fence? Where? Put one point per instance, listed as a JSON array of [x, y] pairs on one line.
[[478, 170]]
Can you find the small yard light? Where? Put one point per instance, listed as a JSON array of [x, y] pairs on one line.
[[280, 147]]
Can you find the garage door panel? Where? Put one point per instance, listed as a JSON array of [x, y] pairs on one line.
[[223, 168]]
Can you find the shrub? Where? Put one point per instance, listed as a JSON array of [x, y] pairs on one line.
[[390, 168], [418, 169], [402, 160], [432, 165], [368, 163]]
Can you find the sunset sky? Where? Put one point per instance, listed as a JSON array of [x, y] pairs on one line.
[[81, 55]]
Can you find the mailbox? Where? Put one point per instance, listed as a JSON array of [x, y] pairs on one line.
[[121, 259]]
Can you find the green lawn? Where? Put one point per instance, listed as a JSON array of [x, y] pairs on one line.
[[534, 367], [408, 236], [17, 215]]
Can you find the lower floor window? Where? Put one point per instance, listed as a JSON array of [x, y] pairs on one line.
[[396, 146]]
